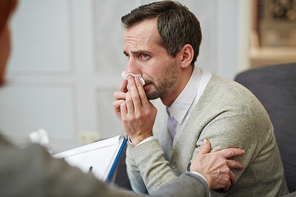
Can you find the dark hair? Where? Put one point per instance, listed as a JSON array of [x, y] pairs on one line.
[[6, 8], [176, 25]]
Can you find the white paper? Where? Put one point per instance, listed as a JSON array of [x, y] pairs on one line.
[[98, 156]]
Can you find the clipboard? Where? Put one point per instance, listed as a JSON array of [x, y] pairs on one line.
[[100, 158]]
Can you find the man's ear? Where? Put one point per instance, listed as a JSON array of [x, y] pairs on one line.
[[186, 55]]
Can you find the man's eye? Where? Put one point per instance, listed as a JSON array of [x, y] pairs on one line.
[[144, 56]]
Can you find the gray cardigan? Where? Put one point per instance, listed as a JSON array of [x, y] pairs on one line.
[[228, 115]]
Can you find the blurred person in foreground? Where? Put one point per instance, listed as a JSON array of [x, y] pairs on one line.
[[161, 41], [33, 172]]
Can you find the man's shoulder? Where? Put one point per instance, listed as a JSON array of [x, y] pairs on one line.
[[230, 98], [216, 82], [226, 91]]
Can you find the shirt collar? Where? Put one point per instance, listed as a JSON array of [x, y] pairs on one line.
[[181, 105]]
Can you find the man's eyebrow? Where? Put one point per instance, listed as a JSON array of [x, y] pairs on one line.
[[136, 52], [125, 53]]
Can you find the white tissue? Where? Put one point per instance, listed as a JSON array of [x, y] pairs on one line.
[[124, 75]]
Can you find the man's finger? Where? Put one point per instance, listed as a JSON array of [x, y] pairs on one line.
[[116, 105], [232, 164], [232, 177], [123, 109], [132, 84], [123, 86], [226, 188], [231, 152], [206, 147], [119, 95], [134, 93], [142, 94], [129, 103]]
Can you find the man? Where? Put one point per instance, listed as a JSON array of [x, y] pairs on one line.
[[33, 172], [161, 41]]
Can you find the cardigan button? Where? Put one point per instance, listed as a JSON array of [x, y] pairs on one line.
[[173, 165]]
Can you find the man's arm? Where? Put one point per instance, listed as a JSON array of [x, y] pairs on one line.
[[188, 184], [212, 166], [215, 167], [238, 134]]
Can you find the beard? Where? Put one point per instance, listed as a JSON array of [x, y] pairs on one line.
[[168, 80]]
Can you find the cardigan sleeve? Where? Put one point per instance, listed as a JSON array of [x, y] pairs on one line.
[[147, 167]]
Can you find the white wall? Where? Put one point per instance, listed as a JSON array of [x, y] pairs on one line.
[[67, 59]]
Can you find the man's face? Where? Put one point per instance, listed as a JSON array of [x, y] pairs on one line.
[[146, 57]]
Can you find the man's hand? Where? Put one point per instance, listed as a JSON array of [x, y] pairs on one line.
[[136, 113], [215, 167], [120, 98]]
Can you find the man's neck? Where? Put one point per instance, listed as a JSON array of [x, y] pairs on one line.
[[173, 94]]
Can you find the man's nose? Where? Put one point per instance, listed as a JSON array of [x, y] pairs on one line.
[[133, 66]]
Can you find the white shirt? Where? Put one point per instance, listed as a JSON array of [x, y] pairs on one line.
[[182, 107]]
